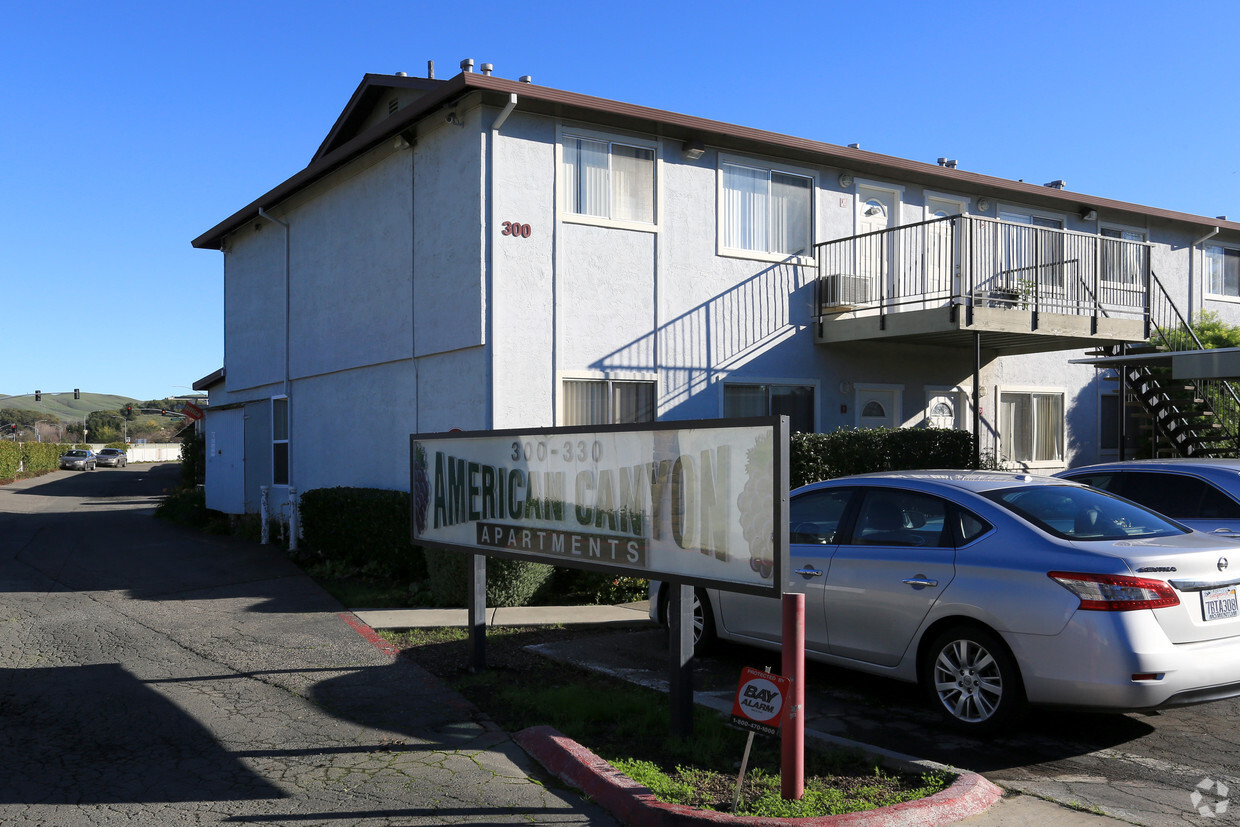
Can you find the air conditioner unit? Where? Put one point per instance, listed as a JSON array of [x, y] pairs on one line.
[[839, 290]]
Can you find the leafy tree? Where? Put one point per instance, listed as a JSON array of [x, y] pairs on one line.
[[1214, 332]]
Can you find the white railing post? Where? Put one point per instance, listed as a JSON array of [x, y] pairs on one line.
[[294, 519], [264, 513]]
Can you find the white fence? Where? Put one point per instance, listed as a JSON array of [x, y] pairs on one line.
[[151, 452]]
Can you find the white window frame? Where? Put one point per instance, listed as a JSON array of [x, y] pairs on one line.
[[782, 382], [286, 442], [1121, 229], [609, 378], [564, 212], [1205, 272], [768, 166], [1031, 390], [964, 202]]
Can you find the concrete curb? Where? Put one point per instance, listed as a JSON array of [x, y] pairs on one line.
[[632, 803]]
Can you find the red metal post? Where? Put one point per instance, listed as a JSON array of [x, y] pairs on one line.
[[792, 738]]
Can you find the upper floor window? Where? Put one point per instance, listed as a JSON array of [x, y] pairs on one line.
[[1223, 271], [608, 179], [607, 401], [765, 210]]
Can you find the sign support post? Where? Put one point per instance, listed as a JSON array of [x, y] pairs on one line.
[[477, 612], [680, 650], [792, 741]]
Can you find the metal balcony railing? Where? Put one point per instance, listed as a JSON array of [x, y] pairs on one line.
[[971, 261]]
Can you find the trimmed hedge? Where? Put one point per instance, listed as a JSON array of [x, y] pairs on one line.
[[509, 582], [362, 527], [32, 458], [814, 457]]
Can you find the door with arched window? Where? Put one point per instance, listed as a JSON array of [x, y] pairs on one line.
[[878, 406]]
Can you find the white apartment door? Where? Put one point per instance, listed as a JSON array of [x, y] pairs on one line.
[[939, 271], [876, 211], [945, 410], [225, 460], [878, 407]]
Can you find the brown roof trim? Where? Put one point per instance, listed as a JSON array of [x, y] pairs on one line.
[[210, 380], [559, 103]]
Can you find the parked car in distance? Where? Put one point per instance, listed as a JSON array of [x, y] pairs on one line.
[[1201, 493], [78, 459], [997, 590], [114, 457]]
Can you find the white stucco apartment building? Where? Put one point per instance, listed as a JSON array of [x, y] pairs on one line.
[[483, 253]]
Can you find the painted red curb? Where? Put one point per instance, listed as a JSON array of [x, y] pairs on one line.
[[632, 803], [369, 635]]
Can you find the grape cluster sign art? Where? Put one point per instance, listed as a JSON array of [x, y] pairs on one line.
[[699, 502]]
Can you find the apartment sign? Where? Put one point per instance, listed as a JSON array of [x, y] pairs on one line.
[[700, 502]]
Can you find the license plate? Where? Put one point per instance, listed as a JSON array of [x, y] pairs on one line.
[[1218, 604]]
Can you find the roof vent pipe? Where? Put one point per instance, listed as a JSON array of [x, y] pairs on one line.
[[402, 74], [487, 68], [527, 78], [430, 70], [467, 65]]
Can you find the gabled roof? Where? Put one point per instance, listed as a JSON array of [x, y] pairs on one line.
[[349, 138], [366, 98]]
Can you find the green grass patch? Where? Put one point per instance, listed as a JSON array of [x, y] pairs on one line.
[[629, 726]]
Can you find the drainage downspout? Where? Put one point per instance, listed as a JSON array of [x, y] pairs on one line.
[[1192, 261], [287, 337], [490, 277]]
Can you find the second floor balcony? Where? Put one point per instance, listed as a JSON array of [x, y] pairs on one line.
[[1023, 288]]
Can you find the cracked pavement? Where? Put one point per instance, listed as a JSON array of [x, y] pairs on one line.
[[150, 674]]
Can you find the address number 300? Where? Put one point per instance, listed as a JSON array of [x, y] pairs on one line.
[[516, 230]]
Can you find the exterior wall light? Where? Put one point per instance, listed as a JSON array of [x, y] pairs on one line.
[[693, 149]]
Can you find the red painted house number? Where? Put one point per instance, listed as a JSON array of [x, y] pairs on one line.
[[517, 230]]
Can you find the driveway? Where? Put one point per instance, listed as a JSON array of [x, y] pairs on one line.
[[150, 674]]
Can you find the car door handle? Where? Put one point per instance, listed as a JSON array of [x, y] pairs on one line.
[[808, 572], [921, 582]]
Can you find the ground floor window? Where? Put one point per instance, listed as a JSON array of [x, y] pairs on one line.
[[607, 401], [1031, 426], [796, 401], [279, 440]]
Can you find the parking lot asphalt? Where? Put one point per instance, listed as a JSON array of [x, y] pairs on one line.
[[150, 674]]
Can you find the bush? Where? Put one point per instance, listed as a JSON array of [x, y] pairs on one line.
[[367, 528], [814, 457], [509, 582], [10, 459]]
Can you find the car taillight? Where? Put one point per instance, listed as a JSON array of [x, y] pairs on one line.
[[1116, 592]]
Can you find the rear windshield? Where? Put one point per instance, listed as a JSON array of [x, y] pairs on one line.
[[1083, 513]]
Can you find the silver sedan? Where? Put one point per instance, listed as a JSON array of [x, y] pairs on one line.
[[114, 457], [996, 590], [1201, 493], [78, 459]]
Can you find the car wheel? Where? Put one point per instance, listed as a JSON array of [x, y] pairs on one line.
[[972, 679], [703, 621]]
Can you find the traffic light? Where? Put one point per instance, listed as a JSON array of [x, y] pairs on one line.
[[38, 396], [129, 410], [77, 394]]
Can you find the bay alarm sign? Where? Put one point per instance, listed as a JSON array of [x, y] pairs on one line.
[[697, 502]]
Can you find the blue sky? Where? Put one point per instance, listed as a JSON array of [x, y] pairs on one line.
[[132, 128]]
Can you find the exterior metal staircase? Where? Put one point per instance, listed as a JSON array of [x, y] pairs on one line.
[[1185, 417]]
